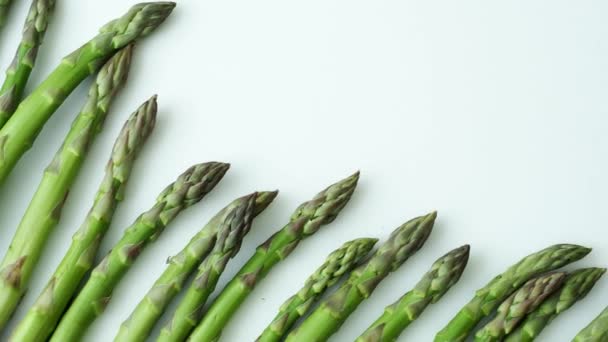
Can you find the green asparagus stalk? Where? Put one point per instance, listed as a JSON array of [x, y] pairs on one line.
[[25, 59], [444, 273], [228, 243], [576, 286], [523, 301], [188, 189], [305, 221], [19, 133], [339, 263], [5, 6], [596, 331], [44, 210], [498, 289], [40, 320], [232, 222], [335, 310]]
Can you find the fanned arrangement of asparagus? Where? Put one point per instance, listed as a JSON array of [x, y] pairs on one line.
[[576, 286], [189, 188], [308, 218], [405, 241], [20, 131], [444, 273], [488, 298], [516, 306], [44, 210], [42, 317], [227, 244], [225, 229], [339, 263]]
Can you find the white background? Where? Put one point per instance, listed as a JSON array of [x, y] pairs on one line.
[[493, 113]]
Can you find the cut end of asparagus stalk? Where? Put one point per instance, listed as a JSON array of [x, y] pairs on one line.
[[139, 21]]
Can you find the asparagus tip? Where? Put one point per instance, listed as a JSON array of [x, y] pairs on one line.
[[263, 200], [371, 240], [432, 216]]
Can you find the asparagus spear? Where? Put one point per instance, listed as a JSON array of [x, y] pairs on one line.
[[305, 221], [19, 71], [596, 331], [227, 245], [236, 216], [5, 6], [188, 189], [333, 312], [444, 273], [19, 133], [44, 210], [498, 289], [42, 317], [576, 286], [518, 305], [338, 263]]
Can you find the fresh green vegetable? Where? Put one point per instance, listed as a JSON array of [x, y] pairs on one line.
[[25, 59], [498, 289], [444, 273], [523, 301], [44, 210], [40, 320], [335, 310], [596, 331], [231, 223], [227, 245], [305, 221], [188, 189], [577, 286], [5, 6], [339, 263], [19, 133]]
